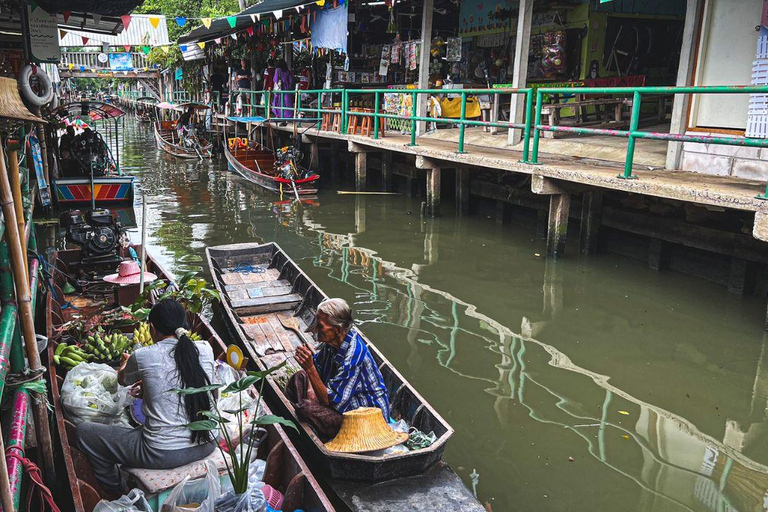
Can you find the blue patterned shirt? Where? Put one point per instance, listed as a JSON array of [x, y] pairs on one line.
[[351, 376]]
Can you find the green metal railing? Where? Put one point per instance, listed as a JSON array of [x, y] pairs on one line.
[[531, 125]]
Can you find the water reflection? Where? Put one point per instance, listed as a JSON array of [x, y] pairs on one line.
[[654, 386]]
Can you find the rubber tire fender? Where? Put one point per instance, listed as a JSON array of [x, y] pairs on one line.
[[26, 89]]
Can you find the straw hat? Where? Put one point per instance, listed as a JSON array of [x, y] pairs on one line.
[[129, 273], [364, 430]]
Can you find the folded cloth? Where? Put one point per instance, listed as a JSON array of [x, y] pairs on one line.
[[323, 419]]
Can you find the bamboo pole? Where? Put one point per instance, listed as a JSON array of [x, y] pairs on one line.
[[6, 498], [18, 203], [26, 316]]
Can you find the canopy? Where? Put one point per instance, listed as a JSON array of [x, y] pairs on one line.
[[93, 110], [165, 105], [220, 27], [140, 32], [194, 106]]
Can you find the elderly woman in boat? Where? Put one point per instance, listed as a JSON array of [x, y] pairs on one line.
[[163, 441], [342, 376]]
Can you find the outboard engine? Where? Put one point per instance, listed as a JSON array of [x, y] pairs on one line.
[[98, 233]]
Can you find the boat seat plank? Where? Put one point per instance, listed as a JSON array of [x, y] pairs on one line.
[[266, 304], [235, 279]]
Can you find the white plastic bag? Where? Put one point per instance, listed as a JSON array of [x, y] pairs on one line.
[[91, 393], [251, 501], [134, 501], [234, 401], [195, 495]]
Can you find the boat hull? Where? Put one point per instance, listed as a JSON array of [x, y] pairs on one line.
[[305, 187], [205, 151], [108, 190], [301, 302], [292, 474]]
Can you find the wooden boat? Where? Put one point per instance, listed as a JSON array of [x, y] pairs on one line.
[[93, 170], [254, 301], [257, 164], [288, 472], [144, 107], [167, 136]]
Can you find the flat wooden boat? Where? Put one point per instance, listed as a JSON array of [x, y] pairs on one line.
[[286, 470], [275, 286], [167, 139], [257, 164]]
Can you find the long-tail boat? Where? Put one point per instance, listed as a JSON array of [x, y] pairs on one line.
[[144, 107], [263, 291], [167, 137], [286, 471]]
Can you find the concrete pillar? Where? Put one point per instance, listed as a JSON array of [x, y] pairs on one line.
[[426, 42], [740, 276], [557, 229], [386, 170], [462, 190], [433, 192], [314, 155], [685, 77], [361, 170], [589, 231], [502, 212], [659, 254], [520, 73]]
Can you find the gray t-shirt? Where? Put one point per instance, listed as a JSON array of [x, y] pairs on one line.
[[166, 417]]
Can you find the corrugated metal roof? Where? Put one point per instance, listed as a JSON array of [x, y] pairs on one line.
[[140, 32]]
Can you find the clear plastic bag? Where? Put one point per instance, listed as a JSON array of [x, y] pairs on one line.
[[235, 401], [91, 393], [195, 495], [134, 501], [251, 501]]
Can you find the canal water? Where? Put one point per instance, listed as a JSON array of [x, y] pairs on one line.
[[590, 384]]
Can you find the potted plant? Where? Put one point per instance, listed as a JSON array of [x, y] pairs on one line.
[[240, 453]]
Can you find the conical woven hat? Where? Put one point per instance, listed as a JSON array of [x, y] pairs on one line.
[[364, 430]]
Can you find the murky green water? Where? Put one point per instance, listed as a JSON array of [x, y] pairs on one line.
[[587, 385]]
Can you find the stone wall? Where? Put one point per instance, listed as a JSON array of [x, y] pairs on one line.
[[740, 162]]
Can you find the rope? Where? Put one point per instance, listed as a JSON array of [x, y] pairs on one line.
[[245, 268], [36, 476]]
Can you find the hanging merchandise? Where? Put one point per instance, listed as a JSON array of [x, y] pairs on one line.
[[346, 63], [329, 29], [384, 63], [453, 52], [395, 58]]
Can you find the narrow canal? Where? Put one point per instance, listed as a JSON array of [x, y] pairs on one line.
[[587, 385]]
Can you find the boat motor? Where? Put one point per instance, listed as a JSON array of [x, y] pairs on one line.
[[98, 233]]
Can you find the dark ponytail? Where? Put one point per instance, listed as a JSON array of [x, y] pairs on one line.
[[167, 316]]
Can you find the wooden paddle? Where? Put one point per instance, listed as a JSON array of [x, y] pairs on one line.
[[293, 324]]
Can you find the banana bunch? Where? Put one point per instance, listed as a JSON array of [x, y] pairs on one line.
[[69, 356], [194, 336], [107, 349], [141, 335]]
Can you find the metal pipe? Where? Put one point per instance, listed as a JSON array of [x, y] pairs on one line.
[[7, 326], [16, 435], [536, 124], [527, 129], [376, 116], [414, 115], [633, 123], [463, 118]]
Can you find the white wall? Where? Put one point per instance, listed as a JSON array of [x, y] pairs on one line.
[[726, 54]]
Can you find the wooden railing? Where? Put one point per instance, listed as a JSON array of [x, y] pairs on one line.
[[90, 60]]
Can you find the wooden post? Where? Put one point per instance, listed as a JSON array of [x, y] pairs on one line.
[[361, 170], [314, 155], [557, 230], [520, 74], [13, 161], [741, 276], [659, 254], [462, 190], [426, 42], [433, 192], [386, 170], [502, 212], [26, 315], [589, 231]]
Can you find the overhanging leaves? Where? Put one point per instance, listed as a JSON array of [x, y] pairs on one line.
[[195, 391], [271, 419], [263, 373]]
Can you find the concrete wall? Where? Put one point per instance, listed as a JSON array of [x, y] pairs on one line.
[[748, 163]]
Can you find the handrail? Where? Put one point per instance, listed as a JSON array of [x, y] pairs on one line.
[[531, 125]]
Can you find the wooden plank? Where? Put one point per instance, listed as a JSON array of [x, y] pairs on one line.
[[254, 332], [283, 334], [271, 334], [231, 278]]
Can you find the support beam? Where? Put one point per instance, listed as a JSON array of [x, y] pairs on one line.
[[462, 190], [502, 212], [433, 192], [361, 171], [589, 231], [520, 72], [314, 155], [557, 229], [659, 254], [741, 276], [386, 171], [685, 77], [426, 42]]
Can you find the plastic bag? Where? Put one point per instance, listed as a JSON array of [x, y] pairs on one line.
[[195, 495], [91, 393], [134, 501], [246, 400], [251, 501]]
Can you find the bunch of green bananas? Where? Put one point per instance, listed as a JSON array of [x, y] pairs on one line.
[[69, 356], [194, 336], [107, 349], [141, 335]]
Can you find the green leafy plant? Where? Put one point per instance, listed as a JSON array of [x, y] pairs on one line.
[[192, 292], [240, 453]]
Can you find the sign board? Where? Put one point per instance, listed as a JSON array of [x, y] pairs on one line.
[[42, 35], [121, 62]]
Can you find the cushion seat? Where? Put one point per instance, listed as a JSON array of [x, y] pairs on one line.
[[153, 481]]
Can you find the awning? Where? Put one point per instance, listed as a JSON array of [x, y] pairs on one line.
[[90, 110], [111, 8], [220, 26], [140, 32]]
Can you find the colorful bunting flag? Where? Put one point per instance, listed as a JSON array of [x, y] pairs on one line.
[[278, 14], [234, 36], [62, 33], [127, 47], [66, 15], [321, 3], [206, 22], [232, 20], [96, 18], [165, 49], [254, 18], [201, 44], [181, 21], [85, 40], [82, 68], [145, 50], [218, 40], [250, 31], [33, 6], [71, 66], [126, 19], [154, 21], [183, 48]]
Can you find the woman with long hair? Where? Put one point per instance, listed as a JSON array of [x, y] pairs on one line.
[[164, 441]]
